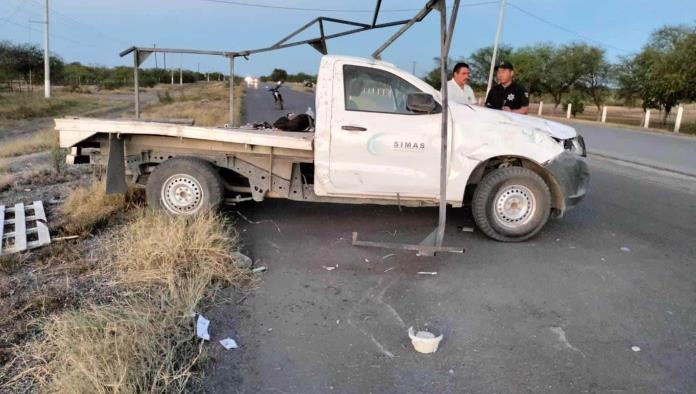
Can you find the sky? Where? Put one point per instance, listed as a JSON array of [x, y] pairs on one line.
[[94, 32]]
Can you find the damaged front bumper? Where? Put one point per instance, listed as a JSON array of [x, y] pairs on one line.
[[572, 176]]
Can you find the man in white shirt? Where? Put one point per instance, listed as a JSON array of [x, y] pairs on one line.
[[457, 88]]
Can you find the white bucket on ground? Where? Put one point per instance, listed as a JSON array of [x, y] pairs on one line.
[[424, 341]]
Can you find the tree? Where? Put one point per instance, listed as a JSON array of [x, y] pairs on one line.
[[597, 77], [433, 77], [661, 74], [480, 62], [563, 67], [278, 74]]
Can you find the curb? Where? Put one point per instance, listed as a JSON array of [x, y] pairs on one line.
[[642, 164]]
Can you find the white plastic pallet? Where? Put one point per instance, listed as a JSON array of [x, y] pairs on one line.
[[23, 227]]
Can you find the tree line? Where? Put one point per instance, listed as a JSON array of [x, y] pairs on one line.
[[278, 74], [24, 62], [660, 76]]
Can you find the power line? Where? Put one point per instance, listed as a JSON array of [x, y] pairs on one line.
[[75, 21], [13, 13], [557, 26], [52, 35], [288, 8]]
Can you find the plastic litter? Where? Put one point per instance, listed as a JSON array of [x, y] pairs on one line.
[[424, 341], [635, 348], [387, 256], [388, 269], [625, 249], [330, 268], [426, 273], [229, 343], [202, 328], [259, 269]]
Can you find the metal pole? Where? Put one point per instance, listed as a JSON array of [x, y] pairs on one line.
[[137, 88], [442, 221], [677, 122], [501, 15], [47, 58], [181, 71], [231, 91]]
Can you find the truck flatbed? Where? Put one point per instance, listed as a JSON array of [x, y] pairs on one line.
[[74, 130]]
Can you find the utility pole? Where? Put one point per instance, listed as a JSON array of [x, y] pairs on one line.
[[181, 72], [47, 59], [414, 68], [501, 15], [155, 46]]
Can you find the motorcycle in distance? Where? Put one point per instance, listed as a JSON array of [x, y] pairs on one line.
[[277, 97]]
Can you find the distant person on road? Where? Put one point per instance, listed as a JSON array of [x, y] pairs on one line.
[[457, 88], [507, 95]]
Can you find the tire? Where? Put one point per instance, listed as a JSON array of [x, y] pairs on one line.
[[511, 204], [185, 186]]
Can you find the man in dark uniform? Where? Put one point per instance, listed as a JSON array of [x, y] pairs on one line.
[[507, 95]]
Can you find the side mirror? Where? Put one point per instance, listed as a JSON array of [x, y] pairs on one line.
[[422, 103]]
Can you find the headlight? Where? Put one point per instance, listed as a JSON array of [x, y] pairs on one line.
[[575, 145]]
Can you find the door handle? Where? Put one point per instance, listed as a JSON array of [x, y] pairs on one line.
[[353, 128]]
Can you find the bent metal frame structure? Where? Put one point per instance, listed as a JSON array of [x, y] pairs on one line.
[[433, 242]]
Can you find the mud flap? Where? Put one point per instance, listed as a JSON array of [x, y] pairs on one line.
[[116, 167]]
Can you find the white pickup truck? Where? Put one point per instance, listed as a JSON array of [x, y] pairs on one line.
[[376, 141]]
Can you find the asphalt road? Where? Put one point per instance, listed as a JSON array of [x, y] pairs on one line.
[[603, 300], [661, 150], [259, 106]]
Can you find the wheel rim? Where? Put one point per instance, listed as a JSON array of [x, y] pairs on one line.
[[514, 206], [182, 194]]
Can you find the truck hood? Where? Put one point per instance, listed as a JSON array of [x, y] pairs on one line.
[[492, 116]]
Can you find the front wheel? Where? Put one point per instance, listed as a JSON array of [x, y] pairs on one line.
[[185, 186], [511, 204]]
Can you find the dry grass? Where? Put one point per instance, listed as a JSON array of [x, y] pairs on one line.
[[14, 106], [206, 103], [144, 342], [89, 207], [38, 142], [182, 256]]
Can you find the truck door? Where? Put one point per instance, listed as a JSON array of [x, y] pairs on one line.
[[378, 146]]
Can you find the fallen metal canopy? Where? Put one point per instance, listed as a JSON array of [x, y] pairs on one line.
[[23, 227], [433, 242], [318, 43]]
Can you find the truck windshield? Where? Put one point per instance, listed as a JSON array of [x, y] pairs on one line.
[[372, 90]]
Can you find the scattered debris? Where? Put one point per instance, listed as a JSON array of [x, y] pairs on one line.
[[465, 229], [55, 201], [229, 343], [240, 260], [625, 249], [66, 238], [424, 341], [259, 269], [426, 273], [388, 256], [635, 348], [202, 328], [563, 341], [338, 321], [241, 215], [388, 269], [330, 268]]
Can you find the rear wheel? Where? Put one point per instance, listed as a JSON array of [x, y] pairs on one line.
[[185, 186], [511, 204]]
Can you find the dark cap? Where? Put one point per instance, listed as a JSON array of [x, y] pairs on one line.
[[506, 65]]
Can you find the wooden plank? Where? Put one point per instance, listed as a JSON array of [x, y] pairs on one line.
[[280, 139], [2, 227], [20, 229], [41, 224]]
